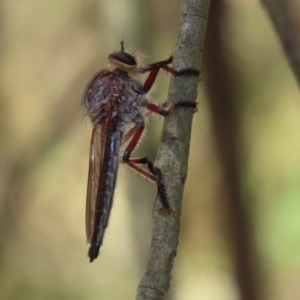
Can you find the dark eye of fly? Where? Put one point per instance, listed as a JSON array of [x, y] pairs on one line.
[[123, 57]]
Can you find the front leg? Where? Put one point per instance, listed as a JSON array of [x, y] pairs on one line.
[[154, 69], [167, 108]]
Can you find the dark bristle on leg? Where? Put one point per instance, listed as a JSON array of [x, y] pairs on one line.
[[162, 193], [184, 104], [187, 72], [167, 208]]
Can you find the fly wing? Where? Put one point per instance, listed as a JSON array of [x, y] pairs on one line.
[[96, 150]]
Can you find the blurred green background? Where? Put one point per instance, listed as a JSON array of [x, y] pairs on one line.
[[48, 52]]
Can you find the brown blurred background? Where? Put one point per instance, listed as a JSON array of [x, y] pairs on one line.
[[48, 52]]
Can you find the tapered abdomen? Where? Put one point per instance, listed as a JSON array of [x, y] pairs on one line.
[[106, 188]]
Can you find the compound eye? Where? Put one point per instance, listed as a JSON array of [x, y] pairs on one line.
[[123, 58]]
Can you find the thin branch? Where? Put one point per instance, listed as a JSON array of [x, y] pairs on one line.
[[281, 16], [173, 153]]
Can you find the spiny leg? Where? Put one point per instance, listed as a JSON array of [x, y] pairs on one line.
[[166, 108], [154, 174], [154, 69]]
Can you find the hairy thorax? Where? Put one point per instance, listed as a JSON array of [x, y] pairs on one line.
[[112, 94]]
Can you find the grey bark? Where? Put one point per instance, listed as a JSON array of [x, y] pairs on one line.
[[172, 157]]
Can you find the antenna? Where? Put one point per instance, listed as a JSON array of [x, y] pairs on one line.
[[122, 44]]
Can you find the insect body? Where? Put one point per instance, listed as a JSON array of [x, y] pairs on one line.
[[116, 104]]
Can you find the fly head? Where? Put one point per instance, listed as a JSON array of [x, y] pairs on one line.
[[122, 60]]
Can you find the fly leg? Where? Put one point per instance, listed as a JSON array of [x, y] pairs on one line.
[[154, 69], [166, 108], [153, 174]]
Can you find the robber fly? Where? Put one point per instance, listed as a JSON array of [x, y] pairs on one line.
[[116, 104]]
